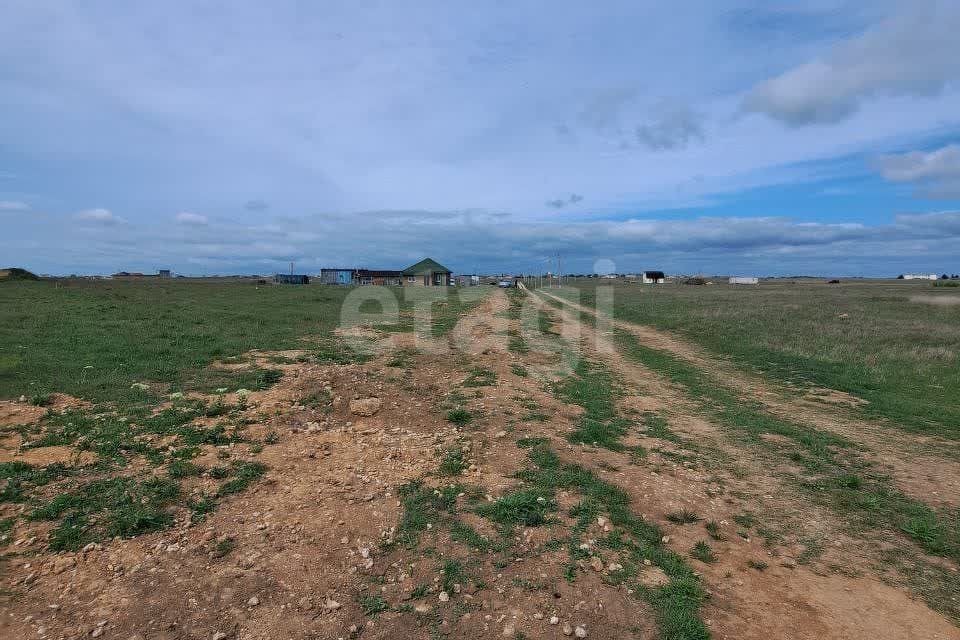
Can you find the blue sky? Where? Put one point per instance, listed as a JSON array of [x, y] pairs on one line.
[[209, 137]]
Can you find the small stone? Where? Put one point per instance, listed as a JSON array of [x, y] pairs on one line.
[[220, 635], [596, 563], [509, 631], [444, 596], [331, 605], [567, 629], [665, 539], [580, 632], [538, 616], [253, 601], [554, 620], [365, 406]]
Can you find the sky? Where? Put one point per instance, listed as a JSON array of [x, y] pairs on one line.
[[218, 137]]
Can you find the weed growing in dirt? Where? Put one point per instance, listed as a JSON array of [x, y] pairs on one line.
[[702, 552], [452, 463], [480, 377], [461, 417], [759, 565], [373, 605], [223, 547], [684, 516], [423, 505], [529, 443], [713, 529], [519, 370]]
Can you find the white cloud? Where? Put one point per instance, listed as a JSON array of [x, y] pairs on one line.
[[193, 219], [12, 205], [908, 55], [99, 216], [936, 172]]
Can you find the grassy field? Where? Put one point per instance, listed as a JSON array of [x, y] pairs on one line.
[[95, 339], [127, 347], [893, 344]]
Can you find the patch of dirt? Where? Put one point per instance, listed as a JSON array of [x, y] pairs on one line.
[[13, 412], [43, 456], [945, 301]]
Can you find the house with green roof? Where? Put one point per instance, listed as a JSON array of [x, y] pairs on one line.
[[427, 273]]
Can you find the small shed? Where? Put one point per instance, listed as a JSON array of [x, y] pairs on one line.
[[744, 280], [654, 277], [337, 276], [291, 278]]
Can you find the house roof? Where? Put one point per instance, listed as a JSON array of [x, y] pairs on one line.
[[427, 265]]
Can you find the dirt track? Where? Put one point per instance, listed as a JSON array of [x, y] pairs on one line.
[[309, 558]]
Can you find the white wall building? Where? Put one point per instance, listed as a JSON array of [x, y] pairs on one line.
[[744, 280], [920, 276]]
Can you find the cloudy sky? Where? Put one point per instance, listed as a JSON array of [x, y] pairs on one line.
[[762, 137]]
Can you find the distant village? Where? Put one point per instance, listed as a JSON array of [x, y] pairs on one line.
[[430, 273]]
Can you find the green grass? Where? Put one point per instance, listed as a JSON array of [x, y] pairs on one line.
[[372, 606], [422, 505], [103, 509], [94, 339], [713, 529], [453, 463], [480, 377], [459, 416], [702, 552], [593, 388], [900, 355], [526, 508], [224, 547]]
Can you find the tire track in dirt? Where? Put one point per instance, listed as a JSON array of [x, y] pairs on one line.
[[781, 601], [926, 468]]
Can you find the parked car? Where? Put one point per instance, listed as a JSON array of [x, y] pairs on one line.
[[505, 284]]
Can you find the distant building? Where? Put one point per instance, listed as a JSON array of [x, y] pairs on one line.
[[744, 280], [337, 276], [467, 280], [379, 277], [653, 277], [920, 276], [427, 273], [291, 278], [165, 273]]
